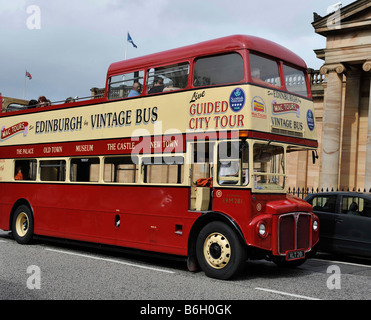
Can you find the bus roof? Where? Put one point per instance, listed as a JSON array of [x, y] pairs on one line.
[[234, 42]]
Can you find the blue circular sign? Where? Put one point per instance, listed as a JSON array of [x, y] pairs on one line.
[[237, 99], [310, 120]]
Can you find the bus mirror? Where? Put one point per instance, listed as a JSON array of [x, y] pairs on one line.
[[314, 156]]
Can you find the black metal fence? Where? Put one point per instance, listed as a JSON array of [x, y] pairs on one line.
[[303, 192]]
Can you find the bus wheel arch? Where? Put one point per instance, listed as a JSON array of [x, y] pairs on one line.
[[21, 222], [214, 221]]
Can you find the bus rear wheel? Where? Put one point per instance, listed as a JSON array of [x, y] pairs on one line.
[[219, 250], [23, 224]]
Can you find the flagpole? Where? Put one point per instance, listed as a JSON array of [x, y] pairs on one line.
[[24, 88], [126, 46]]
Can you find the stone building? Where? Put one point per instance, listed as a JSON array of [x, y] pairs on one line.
[[341, 94]]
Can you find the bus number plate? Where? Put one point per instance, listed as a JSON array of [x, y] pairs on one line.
[[293, 255]]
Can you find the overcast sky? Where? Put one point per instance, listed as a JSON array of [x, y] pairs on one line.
[[67, 45]]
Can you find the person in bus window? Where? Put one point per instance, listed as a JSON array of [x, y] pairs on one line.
[[135, 91], [255, 74], [43, 102], [32, 103], [158, 85], [69, 100], [19, 175]]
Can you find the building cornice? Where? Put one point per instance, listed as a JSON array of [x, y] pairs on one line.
[[349, 54], [342, 20]]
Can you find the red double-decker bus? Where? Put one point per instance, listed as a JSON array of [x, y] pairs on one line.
[[185, 154]]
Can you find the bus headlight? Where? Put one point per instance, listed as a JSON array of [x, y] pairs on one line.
[[262, 229], [315, 225]]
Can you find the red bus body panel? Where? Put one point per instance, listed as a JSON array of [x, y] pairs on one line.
[[148, 215]]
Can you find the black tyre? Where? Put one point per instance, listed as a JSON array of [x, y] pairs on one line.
[[220, 253], [23, 224], [290, 264]]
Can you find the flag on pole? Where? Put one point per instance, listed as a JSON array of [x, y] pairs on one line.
[[28, 75], [131, 41]]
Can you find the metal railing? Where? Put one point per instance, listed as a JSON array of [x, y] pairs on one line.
[[303, 192], [16, 104]]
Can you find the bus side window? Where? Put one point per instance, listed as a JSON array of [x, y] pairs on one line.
[[53, 170], [168, 78], [25, 169], [84, 169], [120, 86], [264, 71], [226, 68], [163, 170], [295, 80], [121, 169]]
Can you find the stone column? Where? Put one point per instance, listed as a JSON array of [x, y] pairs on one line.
[[329, 174], [349, 149], [367, 67]]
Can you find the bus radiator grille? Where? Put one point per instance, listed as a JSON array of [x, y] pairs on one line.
[[294, 232]]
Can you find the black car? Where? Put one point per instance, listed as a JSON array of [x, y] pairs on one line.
[[344, 222]]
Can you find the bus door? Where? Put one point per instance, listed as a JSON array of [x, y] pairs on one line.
[[201, 165]]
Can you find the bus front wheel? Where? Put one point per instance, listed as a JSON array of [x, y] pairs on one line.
[[22, 226], [219, 250]]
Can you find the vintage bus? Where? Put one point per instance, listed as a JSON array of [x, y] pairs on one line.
[[184, 155]]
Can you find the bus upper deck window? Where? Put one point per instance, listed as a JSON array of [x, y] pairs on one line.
[[226, 68], [264, 71], [168, 78], [121, 86], [295, 80]]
